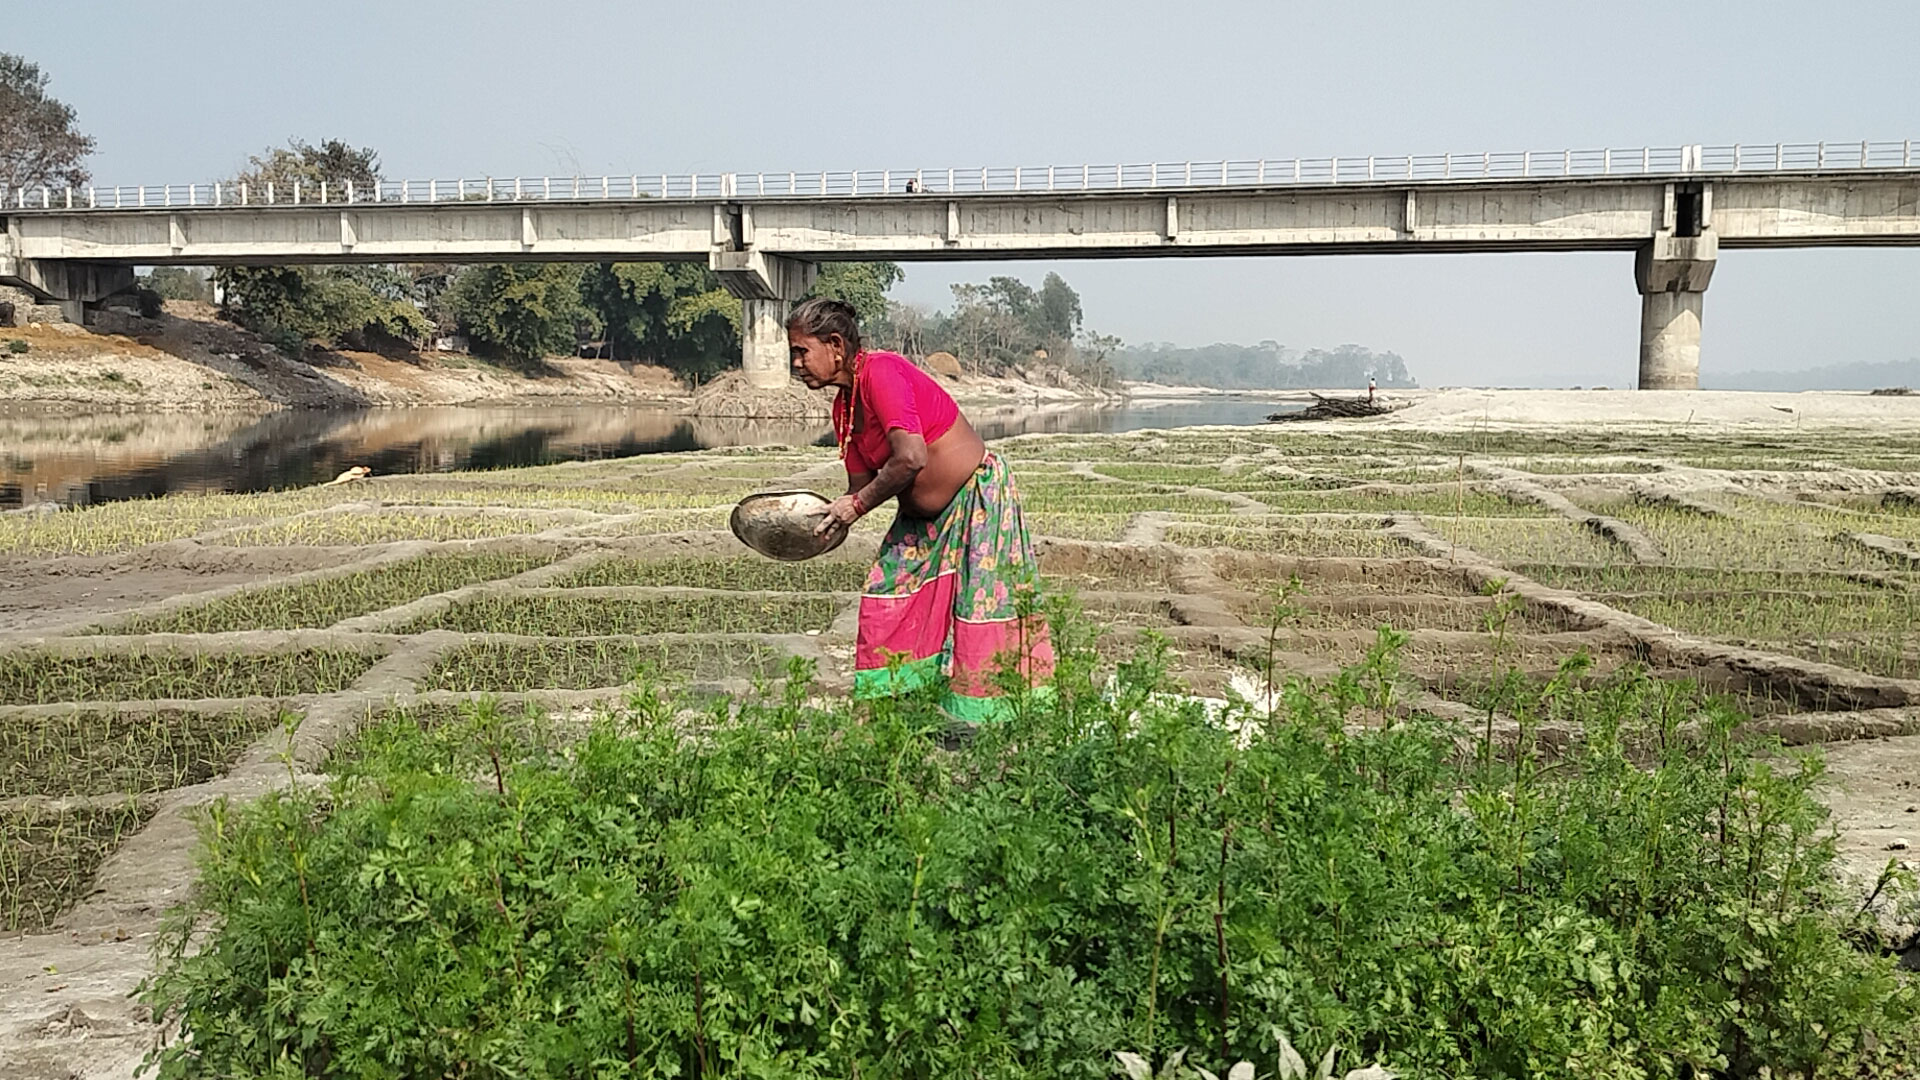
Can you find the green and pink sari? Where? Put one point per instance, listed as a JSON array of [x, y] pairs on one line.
[[944, 600]]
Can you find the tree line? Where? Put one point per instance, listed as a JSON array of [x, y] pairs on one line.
[[1266, 366]]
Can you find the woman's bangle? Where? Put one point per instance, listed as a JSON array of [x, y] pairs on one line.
[[859, 504]]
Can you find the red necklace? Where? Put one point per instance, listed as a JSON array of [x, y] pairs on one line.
[[843, 426]]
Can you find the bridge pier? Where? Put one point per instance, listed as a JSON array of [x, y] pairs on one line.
[[70, 285], [1672, 274], [767, 286]]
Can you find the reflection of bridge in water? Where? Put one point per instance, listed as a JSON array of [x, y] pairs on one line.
[[95, 459], [766, 233]]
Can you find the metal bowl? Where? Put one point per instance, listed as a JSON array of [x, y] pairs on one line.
[[780, 524]]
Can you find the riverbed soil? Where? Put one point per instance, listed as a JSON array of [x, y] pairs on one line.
[[1772, 563]]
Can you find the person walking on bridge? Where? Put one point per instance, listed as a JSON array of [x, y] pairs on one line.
[[943, 598]]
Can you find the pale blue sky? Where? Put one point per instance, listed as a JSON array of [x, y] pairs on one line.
[[185, 91]]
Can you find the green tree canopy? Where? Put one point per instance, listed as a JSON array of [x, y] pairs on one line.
[[672, 314], [522, 312], [39, 143], [862, 284], [333, 162], [344, 306]]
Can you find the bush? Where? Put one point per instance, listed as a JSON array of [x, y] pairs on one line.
[[800, 892], [17, 346], [286, 340], [151, 303]]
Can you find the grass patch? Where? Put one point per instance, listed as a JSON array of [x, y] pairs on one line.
[[758, 574], [47, 860], [35, 677], [99, 753], [323, 603], [586, 665], [589, 616]]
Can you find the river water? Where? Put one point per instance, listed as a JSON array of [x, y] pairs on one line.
[[81, 459]]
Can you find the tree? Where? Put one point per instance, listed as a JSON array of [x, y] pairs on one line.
[[333, 162], [522, 312], [672, 314], [178, 283], [348, 306], [1056, 312], [864, 285], [39, 143]]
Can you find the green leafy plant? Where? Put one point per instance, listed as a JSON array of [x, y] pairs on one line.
[[783, 888]]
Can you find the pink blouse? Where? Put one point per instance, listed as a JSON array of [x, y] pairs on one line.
[[893, 394]]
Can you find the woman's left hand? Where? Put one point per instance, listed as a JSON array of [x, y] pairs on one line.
[[841, 513]]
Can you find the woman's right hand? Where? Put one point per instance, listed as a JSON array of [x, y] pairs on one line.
[[839, 516]]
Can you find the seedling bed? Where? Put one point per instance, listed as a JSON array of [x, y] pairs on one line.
[[346, 529], [748, 573], [1304, 543], [93, 752], [38, 677], [48, 859], [331, 600], [589, 664], [549, 615]]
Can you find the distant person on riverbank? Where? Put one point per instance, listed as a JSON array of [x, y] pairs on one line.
[[943, 596]]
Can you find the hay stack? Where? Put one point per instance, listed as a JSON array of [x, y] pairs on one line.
[[731, 395]]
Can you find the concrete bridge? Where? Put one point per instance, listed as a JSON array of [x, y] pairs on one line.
[[765, 234]]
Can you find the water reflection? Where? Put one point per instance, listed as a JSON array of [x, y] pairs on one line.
[[90, 459]]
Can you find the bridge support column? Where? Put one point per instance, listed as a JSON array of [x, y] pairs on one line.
[[1672, 273], [767, 286], [70, 285]]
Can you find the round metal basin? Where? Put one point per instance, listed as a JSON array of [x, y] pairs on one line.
[[780, 524]]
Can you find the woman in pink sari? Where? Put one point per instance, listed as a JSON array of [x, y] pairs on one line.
[[943, 598]]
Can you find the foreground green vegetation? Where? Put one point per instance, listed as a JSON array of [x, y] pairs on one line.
[[825, 892]]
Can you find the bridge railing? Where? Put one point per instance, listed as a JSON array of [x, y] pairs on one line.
[[1664, 161]]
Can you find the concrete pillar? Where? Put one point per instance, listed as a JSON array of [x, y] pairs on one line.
[[767, 286], [1672, 273], [1670, 340], [763, 343], [71, 285]]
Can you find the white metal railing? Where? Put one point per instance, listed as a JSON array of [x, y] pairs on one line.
[[1689, 160]]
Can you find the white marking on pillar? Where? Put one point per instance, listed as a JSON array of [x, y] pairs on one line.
[[746, 224], [528, 236], [953, 222], [1411, 217], [176, 234], [348, 237], [1173, 218]]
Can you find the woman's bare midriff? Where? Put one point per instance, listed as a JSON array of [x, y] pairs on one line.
[[951, 460]]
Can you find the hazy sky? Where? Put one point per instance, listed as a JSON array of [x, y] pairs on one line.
[[185, 92]]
